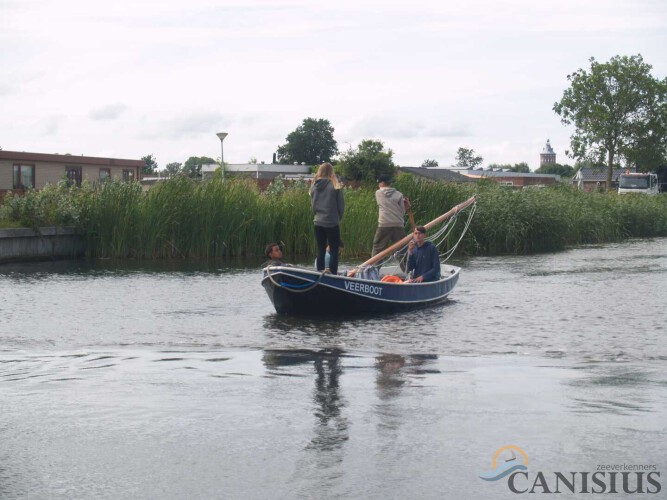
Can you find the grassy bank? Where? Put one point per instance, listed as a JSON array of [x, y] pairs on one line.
[[182, 218]]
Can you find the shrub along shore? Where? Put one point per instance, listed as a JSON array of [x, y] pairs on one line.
[[182, 218]]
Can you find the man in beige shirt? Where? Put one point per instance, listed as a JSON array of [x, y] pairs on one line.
[[391, 219]]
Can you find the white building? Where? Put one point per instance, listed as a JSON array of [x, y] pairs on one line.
[[259, 171]]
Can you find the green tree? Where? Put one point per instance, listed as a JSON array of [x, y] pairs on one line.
[[151, 165], [556, 169], [619, 112], [649, 153], [173, 168], [368, 161], [521, 168], [192, 166], [429, 164], [466, 158], [312, 142]]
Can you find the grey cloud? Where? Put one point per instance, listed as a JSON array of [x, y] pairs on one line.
[[11, 84], [108, 112], [10, 4], [448, 130], [7, 89], [386, 127], [393, 127], [193, 124], [51, 124]]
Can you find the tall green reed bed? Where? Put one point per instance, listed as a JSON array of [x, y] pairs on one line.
[[509, 221], [230, 218], [185, 218], [182, 218]]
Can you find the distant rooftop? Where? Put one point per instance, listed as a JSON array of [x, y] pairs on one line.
[[69, 159], [505, 174], [597, 174], [259, 167], [437, 174]]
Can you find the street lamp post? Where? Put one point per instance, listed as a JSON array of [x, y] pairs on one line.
[[221, 136]]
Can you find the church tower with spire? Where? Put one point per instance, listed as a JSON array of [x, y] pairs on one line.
[[548, 156]]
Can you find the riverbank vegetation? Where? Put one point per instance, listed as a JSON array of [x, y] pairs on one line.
[[182, 218]]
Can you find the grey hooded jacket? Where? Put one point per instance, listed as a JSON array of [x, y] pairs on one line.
[[328, 203], [392, 209]]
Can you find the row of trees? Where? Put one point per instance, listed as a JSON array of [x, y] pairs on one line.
[[618, 109], [191, 167], [363, 163]]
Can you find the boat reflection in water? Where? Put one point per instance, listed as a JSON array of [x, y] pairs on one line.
[[331, 426], [394, 370], [331, 429]]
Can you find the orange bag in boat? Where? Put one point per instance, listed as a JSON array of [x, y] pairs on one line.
[[390, 278]]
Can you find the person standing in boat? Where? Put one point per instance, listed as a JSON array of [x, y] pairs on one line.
[[328, 207], [327, 256], [391, 219], [423, 258]]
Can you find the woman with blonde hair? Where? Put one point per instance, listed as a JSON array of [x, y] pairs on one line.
[[328, 205]]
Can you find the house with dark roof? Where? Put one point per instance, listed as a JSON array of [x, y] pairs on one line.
[[436, 174], [263, 174], [516, 180], [595, 178], [20, 170], [259, 171]]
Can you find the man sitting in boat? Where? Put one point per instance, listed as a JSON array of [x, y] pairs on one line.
[[423, 258]]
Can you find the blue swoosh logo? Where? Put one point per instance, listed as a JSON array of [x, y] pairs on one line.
[[502, 471]]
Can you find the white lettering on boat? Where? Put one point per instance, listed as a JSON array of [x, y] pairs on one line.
[[363, 288]]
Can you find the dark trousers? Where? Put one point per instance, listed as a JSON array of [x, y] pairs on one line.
[[384, 236], [330, 236]]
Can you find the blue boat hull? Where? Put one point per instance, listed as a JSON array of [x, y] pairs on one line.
[[294, 290]]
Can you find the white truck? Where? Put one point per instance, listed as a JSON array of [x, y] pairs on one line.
[[644, 183]]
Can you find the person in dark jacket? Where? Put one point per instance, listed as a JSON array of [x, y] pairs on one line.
[[423, 258], [328, 207]]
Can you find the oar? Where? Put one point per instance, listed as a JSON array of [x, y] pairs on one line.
[[399, 244]]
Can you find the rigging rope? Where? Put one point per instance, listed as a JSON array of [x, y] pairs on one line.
[[439, 237]]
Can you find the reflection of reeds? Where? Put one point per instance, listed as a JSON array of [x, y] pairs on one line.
[[232, 218]]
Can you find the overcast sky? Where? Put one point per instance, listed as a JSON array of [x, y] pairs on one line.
[[134, 77]]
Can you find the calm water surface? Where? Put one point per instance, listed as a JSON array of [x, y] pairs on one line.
[[180, 381]]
